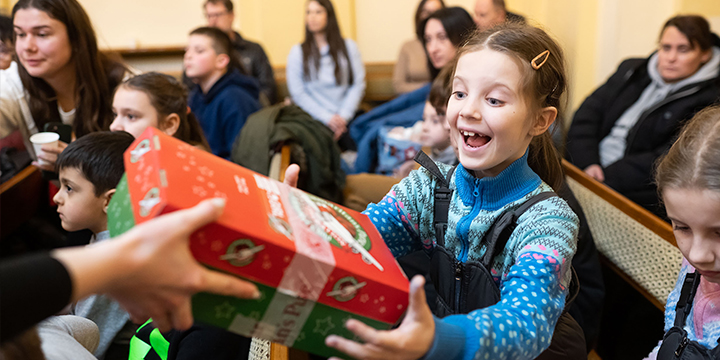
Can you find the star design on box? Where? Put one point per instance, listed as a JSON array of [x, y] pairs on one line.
[[254, 315], [323, 326], [224, 311], [300, 337], [364, 298], [216, 245]]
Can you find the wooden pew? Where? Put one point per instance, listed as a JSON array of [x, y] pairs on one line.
[[634, 243]]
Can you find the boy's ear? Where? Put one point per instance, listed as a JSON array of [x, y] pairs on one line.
[[106, 199], [172, 123], [222, 61], [545, 118]]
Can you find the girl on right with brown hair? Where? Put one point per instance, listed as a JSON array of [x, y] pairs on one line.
[[688, 181], [507, 87]]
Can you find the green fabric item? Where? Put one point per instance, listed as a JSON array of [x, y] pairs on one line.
[[271, 127], [138, 349], [159, 344], [148, 340]]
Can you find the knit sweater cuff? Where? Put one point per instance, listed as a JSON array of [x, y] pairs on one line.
[[449, 342]]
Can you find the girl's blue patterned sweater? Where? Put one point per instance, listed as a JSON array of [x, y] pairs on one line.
[[532, 272]]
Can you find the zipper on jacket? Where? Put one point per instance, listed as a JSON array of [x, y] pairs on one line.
[[682, 346], [458, 284]]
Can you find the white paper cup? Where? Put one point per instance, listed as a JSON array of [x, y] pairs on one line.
[[41, 139]]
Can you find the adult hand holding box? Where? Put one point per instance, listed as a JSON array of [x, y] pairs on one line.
[[316, 263]]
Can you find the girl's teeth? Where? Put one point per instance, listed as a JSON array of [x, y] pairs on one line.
[[467, 133]]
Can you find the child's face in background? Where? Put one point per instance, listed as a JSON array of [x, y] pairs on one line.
[[695, 216], [6, 53], [435, 130], [78, 206], [490, 121], [200, 59], [133, 112]]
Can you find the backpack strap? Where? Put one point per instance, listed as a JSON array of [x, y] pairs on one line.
[[687, 295], [443, 194], [499, 233]]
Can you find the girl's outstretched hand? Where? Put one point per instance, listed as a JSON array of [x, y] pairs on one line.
[[411, 340], [291, 175]]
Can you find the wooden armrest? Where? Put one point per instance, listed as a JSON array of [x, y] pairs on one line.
[[632, 242]]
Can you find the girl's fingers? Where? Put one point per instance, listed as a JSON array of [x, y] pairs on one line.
[[349, 347], [366, 333]]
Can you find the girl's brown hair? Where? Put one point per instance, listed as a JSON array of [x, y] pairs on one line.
[[168, 96], [335, 42], [97, 74], [692, 161], [544, 86]]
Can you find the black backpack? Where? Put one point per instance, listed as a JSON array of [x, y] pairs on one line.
[[676, 345], [455, 287]]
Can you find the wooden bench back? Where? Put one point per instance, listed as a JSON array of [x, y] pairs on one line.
[[636, 244]]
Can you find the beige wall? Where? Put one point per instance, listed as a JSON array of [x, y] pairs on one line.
[[596, 34]]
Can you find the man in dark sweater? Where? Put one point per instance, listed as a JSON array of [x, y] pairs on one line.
[[220, 14]]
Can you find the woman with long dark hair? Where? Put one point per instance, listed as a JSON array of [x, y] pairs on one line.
[[325, 74], [443, 33], [60, 77], [411, 71]]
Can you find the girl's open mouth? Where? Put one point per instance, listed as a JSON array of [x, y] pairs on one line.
[[474, 140]]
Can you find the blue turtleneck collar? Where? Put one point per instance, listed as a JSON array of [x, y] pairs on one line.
[[516, 181]]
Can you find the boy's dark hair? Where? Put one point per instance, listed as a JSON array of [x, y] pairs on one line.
[[440, 89], [221, 43], [99, 156], [6, 29]]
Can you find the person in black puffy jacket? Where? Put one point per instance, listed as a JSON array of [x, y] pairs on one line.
[[620, 130]]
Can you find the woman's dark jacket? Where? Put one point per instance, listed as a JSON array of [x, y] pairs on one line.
[[650, 137]]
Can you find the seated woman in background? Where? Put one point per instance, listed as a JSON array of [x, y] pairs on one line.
[[157, 100], [325, 74], [61, 76], [411, 70], [444, 31], [620, 130]]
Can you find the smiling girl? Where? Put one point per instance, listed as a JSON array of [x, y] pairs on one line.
[[61, 76], [506, 92]]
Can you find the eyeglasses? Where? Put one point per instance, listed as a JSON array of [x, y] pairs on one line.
[[210, 16]]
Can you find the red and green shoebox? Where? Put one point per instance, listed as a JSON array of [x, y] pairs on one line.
[[317, 264]]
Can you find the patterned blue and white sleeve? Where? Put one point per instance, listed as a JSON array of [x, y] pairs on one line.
[[398, 216], [533, 292]]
